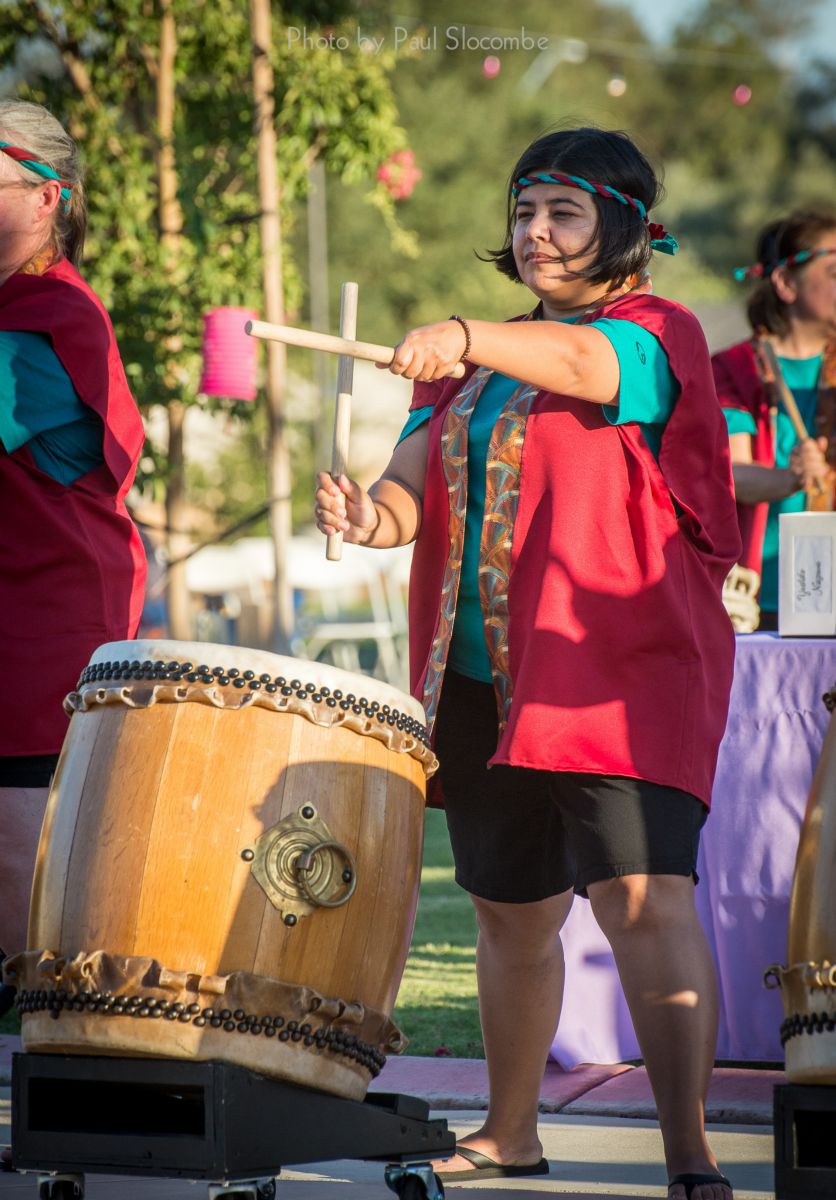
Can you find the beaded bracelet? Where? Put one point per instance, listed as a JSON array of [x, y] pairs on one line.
[[466, 329]]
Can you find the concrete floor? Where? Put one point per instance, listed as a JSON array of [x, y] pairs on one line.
[[590, 1157]]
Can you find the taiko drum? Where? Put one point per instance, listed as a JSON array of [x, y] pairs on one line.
[[229, 865], [808, 983]]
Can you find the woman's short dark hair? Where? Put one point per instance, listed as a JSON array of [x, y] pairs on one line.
[[601, 156], [777, 241]]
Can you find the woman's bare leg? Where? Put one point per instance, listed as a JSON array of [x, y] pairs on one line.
[[669, 981], [519, 964], [21, 816]]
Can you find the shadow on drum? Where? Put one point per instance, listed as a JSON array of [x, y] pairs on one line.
[[338, 919]]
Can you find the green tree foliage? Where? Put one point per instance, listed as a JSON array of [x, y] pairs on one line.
[[727, 167], [338, 105]]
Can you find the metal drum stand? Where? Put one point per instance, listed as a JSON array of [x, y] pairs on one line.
[[74, 1115]]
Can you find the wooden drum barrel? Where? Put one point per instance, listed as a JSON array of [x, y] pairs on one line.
[[808, 984], [229, 865]]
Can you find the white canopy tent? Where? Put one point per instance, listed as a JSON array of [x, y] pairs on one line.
[[379, 576]]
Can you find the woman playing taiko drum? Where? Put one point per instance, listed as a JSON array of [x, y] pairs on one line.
[[573, 516]]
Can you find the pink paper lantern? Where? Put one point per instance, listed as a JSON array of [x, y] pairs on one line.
[[229, 354]]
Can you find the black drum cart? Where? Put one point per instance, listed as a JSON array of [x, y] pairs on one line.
[[74, 1115]]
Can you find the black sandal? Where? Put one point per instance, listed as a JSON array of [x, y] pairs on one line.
[[690, 1181], [486, 1168]]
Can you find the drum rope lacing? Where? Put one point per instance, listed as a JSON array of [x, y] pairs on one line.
[[331, 698], [814, 976], [808, 1023], [148, 1007]]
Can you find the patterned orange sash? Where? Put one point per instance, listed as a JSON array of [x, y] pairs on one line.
[[501, 496]]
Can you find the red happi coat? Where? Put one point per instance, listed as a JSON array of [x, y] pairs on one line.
[[739, 385], [72, 567], [601, 570]]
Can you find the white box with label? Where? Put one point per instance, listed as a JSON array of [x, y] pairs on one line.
[[807, 574]]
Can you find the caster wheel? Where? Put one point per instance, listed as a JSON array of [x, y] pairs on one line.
[[252, 1189], [414, 1182], [412, 1188], [61, 1189]]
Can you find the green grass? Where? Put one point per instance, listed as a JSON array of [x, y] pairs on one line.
[[10, 1023], [437, 1003]]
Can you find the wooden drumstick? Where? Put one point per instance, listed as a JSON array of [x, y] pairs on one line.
[[342, 411], [311, 340], [788, 400]]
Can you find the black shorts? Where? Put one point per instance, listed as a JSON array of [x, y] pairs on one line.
[[27, 770], [521, 835]]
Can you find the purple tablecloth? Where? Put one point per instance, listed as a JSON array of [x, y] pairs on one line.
[[767, 758]]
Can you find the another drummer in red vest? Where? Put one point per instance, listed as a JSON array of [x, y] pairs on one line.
[[792, 309], [72, 567], [573, 517]]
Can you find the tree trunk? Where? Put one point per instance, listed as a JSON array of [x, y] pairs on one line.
[[278, 462], [177, 542], [323, 417], [171, 225]]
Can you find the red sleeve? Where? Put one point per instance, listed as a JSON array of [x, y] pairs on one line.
[[736, 378], [439, 392], [61, 305], [427, 395]]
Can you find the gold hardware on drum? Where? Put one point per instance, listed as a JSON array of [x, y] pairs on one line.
[[301, 867]]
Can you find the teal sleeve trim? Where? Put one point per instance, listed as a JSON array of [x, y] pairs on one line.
[[67, 453], [415, 420], [648, 388], [738, 421], [40, 409]]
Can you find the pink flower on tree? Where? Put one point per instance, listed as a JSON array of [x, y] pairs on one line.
[[399, 174]]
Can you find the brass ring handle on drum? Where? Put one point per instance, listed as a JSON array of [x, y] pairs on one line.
[[304, 864]]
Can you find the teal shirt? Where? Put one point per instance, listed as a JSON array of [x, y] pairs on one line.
[[40, 409], [647, 394], [801, 376]]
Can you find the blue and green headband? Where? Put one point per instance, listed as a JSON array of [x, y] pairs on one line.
[[40, 168], [660, 239], [761, 270]]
